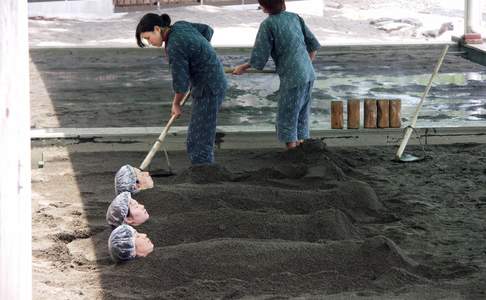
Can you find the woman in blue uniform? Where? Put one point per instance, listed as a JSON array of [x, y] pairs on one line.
[[292, 46], [194, 65]]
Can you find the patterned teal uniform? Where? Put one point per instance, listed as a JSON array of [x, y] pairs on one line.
[[287, 39], [194, 63]]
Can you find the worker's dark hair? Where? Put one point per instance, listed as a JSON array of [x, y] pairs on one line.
[[147, 24], [273, 6]]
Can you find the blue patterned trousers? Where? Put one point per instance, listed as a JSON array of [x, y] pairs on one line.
[[293, 113], [202, 128]]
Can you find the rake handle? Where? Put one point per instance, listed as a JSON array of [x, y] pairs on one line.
[[409, 130], [230, 70], [163, 134]]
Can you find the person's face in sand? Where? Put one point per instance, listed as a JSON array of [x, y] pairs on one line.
[[137, 213], [144, 181], [154, 38], [143, 245]]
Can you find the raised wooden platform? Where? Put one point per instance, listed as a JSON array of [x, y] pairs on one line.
[[239, 137]]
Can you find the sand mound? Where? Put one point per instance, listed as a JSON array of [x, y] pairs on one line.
[[283, 171], [397, 277], [300, 230], [204, 174], [308, 151], [355, 198], [265, 266], [309, 166], [328, 224], [383, 252]]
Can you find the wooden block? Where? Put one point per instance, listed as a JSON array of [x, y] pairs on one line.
[[337, 115], [395, 113], [370, 113], [353, 114], [383, 113]]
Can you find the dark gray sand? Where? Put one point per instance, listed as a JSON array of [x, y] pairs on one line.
[[344, 223], [85, 88]]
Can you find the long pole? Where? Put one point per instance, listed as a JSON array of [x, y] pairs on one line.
[[252, 71], [409, 130]]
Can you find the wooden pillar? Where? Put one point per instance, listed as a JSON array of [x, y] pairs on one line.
[[395, 113], [370, 113], [15, 194], [337, 115], [353, 114], [383, 113]]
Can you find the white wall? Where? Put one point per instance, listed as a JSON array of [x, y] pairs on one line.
[[86, 9], [15, 193]]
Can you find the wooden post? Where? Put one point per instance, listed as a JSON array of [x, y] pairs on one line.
[[395, 113], [353, 114], [337, 115], [383, 113], [15, 193], [370, 113]]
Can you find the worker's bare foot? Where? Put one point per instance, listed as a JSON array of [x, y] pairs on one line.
[[292, 145]]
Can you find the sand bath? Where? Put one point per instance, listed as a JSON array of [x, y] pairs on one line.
[[265, 223]]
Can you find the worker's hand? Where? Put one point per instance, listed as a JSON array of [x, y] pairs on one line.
[[240, 69], [312, 55], [176, 110]]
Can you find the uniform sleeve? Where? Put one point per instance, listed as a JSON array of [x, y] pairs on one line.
[[262, 48], [179, 65], [205, 30], [311, 43]]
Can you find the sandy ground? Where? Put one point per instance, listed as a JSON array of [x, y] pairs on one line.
[[82, 88], [265, 224]]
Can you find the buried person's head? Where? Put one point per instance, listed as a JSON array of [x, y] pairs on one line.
[[133, 180], [126, 243], [124, 209]]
